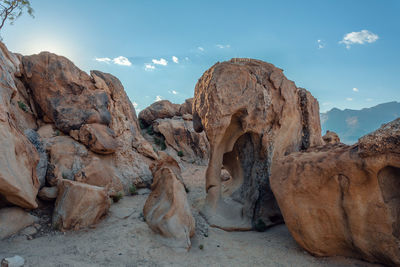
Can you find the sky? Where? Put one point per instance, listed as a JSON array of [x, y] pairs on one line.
[[346, 53]]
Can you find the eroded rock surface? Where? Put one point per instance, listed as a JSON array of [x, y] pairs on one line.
[[251, 114], [158, 110], [331, 138], [167, 210], [344, 200], [14, 219], [79, 205]]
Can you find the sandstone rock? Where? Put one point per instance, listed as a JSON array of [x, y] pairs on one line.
[[344, 200], [186, 108], [18, 157], [66, 95], [167, 211], [331, 138], [98, 138], [16, 261], [102, 175], [180, 135], [158, 110], [251, 114], [79, 205], [48, 193], [14, 219], [41, 167], [47, 131]]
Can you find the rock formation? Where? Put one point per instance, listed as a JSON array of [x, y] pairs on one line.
[[58, 123], [79, 205], [169, 126], [344, 200], [251, 114], [331, 138], [167, 211], [13, 220]]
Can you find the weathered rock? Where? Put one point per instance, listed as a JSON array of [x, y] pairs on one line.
[[251, 114], [98, 138], [186, 108], [16, 261], [331, 138], [180, 135], [167, 211], [18, 157], [48, 193], [13, 220], [41, 167], [344, 200], [79, 205], [100, 174], [66, 95], [158, 110]]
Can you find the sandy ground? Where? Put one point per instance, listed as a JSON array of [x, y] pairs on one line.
[[123, 239]]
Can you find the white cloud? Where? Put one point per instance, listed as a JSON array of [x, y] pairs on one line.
[[361, 37], [160, 61], [369, 99], [123, 61], [223, 46], [158, 98], [175, 59], [103, 59], [321, 44], [349, 99], [200, 48], [134, 104], [355, 89], [149, 67], [173, 92]]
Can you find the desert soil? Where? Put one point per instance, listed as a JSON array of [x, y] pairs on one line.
[[123, 239]]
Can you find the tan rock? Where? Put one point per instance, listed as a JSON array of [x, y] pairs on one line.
[[98, 138], [186, 108], [180, 135], [18, 157], [251, 114], [46, 131], [48, 193], [13, 220], [167, 211], [79, 205], [99, 174], [158, 110], [344, 200], [66, 95], [331, 138]]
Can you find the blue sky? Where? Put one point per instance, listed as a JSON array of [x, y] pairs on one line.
[[355, 64]]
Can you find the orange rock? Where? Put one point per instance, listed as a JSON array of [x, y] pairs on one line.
[[98, 138], [344, 200], [159, 110], [251, 114], [331, 138], [79, 205], [167, 211]]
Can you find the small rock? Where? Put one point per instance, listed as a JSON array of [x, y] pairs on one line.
[[15, 261], [48, 193], [13, 220], [29, 231]]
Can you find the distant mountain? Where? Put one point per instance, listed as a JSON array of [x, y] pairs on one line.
[[352, 124]]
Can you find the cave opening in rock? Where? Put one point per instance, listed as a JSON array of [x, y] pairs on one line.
[[249, 170], [389, 182]]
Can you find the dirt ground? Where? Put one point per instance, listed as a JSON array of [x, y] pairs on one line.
[[123, 239]]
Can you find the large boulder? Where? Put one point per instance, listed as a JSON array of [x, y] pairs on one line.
[[19, 183], [167, 210], [344, 200], [331, 138], [98, 138], [180, 135], [158, 110], [14, 219], [65, 94], [251, 114], [79, 205]]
